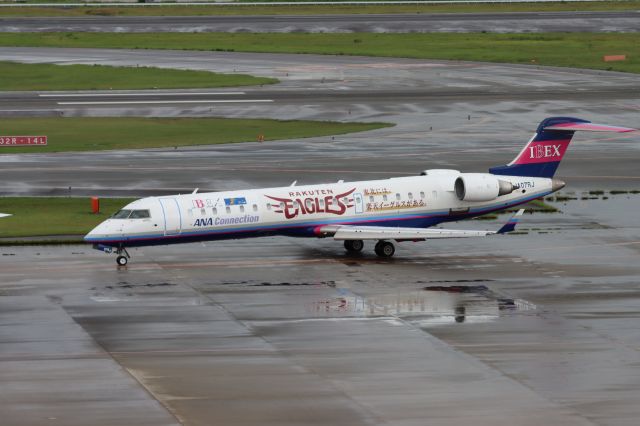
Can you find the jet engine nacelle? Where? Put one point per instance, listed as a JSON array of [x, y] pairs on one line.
[[481, 187]]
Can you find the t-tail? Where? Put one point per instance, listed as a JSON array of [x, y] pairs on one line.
[[542, 155]]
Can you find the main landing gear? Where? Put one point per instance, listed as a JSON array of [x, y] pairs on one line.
[[353, 246], [382, 249]]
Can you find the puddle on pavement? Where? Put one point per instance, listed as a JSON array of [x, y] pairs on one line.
[[255, 283], [127, 285], [431, 305]]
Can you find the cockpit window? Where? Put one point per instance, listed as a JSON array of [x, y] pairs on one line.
[[122, 214], [140, 214], [132, 214]]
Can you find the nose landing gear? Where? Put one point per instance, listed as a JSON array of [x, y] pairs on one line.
[[122, 259]]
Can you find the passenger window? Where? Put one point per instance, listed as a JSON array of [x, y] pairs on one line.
[[410, 196], [384, 198], [241, 209], [228, 209], [203, 212], [397, 196], [214, 211], [421, 194], [371, 199], [268, 206], [255, 207], [434, 194]]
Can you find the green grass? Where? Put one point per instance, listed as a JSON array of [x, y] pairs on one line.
[[49, 216], [16, 76], [93, 134], [305, 9], [580, 50], [539, 206]]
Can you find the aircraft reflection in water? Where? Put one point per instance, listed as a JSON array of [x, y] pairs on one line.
[[431, 306]]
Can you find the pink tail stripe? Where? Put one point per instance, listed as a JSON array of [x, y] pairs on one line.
[[543, 151], [589, 127]]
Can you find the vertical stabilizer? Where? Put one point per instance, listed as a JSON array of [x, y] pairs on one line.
[[542, 155]]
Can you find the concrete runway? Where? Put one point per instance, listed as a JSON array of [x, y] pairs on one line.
[[540, 328], [527, 22]]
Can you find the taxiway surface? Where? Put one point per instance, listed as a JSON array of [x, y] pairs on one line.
[[522, 329], [527, 22]]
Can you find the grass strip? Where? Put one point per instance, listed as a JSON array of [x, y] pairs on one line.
[[306, 9], [102, 133], [579, 50], [51, 216], [16, 76]]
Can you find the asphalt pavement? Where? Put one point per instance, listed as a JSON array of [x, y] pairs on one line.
[[527, 329], [523, 22]]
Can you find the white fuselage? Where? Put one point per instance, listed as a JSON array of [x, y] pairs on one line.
[[419, 201]]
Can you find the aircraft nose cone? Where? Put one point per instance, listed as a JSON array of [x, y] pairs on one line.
[[96, 232], [557, 184], [89, 236]]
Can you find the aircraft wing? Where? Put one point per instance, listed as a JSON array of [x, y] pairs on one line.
[[4, 215], [348, 232]]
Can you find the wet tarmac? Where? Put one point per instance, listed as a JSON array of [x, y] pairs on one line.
[[534, 328], [528, 22], [469, 116]]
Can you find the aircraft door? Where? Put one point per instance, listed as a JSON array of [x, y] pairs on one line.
[[172, 216], [358, 202]]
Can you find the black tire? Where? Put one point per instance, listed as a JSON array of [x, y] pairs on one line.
[[121, 260], [378, 248], [353, 246], [385, 249]]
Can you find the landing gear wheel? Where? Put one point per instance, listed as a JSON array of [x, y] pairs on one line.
[[122, 260], [353, 246], [385, 249]]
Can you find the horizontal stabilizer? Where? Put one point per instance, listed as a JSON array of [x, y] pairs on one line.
[[589, 127]]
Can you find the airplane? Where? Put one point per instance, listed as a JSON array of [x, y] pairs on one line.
[[396, 209], [4, 215]]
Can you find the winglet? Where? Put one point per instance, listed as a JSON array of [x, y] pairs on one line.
[[511, 223]]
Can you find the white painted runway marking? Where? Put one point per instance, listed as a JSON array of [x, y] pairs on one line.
[[29, 110], [193, 101], [80, 95]]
